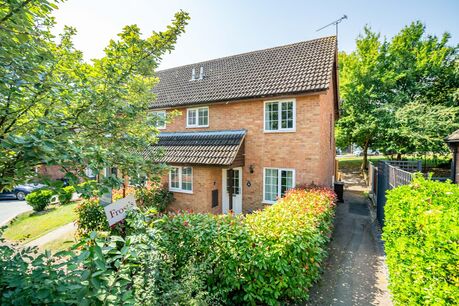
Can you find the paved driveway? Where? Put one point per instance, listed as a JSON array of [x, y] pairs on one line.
[[10, 209]]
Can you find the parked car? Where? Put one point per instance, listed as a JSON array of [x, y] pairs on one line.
[[19, 192]]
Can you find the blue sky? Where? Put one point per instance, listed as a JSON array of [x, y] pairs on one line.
[[221, 28]]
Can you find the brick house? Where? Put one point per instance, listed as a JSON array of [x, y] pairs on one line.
[[251, 126], [453, 143]]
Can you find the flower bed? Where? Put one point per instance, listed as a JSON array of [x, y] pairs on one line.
[[421, 236]]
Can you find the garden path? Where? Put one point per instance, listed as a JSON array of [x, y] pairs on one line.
[[355, 272]]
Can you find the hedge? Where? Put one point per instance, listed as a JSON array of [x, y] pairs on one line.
[[421, 237], [269, 257]]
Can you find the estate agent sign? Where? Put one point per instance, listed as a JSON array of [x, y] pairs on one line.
[[116, 211]]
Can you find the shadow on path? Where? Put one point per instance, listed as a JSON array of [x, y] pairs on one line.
[[355, 272]]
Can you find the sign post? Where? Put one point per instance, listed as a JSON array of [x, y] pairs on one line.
[[116, 211]]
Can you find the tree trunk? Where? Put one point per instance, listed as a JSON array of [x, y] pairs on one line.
[[399, 156], [364, 166]]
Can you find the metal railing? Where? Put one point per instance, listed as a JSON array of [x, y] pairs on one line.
[[388, 175]]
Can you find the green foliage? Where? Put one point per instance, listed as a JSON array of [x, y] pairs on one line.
[[154, 198], [421, 236], [57, 109], [99, 274], [90, 217], [65, 194], [400, 95], [268, 257], [39, 199]]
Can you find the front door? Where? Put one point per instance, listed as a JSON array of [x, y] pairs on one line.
[[232, 190]]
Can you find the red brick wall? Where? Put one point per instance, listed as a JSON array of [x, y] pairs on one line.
[[53, 172], [205, 179], [307, 150], [327, 138]]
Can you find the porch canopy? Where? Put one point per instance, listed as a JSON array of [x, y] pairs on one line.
[[212, 148]]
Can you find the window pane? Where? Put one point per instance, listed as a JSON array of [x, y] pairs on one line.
[[236, 182], [287, 115], [160, 119], [175, 183], [272, 116], [192, 117], [203, 116], [187, 183], [271, 184], [286, 181]]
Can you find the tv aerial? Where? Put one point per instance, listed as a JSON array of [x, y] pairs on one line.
[[335, 23]]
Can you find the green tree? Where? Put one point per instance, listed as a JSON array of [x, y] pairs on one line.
[[361, 81], [421, 100], [399, 96], [57, 109]]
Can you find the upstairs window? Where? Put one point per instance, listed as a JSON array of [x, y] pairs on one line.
[[181, 179], [160, 117], [197, 117], [280, 116]]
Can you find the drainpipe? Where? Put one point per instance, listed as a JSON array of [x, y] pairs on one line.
[[454, 163]]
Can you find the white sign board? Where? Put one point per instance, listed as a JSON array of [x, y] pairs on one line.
[[116, 211]]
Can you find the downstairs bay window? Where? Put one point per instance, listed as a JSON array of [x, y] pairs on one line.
[[276, 181], [181, 179]]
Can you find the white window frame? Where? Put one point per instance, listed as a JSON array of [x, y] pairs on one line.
[[279, 118], [155, 113], [173, 189], [279, 182], [197, 125]]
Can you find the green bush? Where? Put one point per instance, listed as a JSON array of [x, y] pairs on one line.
[[39, 199], [421, 237], [65, 194], [269, 256], [157, 198], [90, 217]]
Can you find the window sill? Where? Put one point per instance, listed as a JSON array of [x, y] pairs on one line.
[[268, 202], [279, 131], [197, 126], [181, 191]]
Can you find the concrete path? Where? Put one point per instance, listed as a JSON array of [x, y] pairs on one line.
[[9, 209], [355, 272], [51, 236]]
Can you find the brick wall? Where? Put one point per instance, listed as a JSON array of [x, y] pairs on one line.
[[53, 172], [307, 150], [205, 179]]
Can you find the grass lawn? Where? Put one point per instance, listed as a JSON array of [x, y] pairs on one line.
[[31, 225], [352, 163], [62, 243]]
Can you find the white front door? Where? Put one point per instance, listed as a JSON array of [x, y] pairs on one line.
[[232, 190]]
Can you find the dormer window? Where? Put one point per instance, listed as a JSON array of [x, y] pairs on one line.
[[194, 75], [197, 117]]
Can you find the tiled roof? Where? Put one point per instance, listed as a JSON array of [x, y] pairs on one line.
[[454, 137], [204, 148], [295, 68]]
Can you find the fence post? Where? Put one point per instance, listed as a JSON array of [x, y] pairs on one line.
[[381, 194]]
